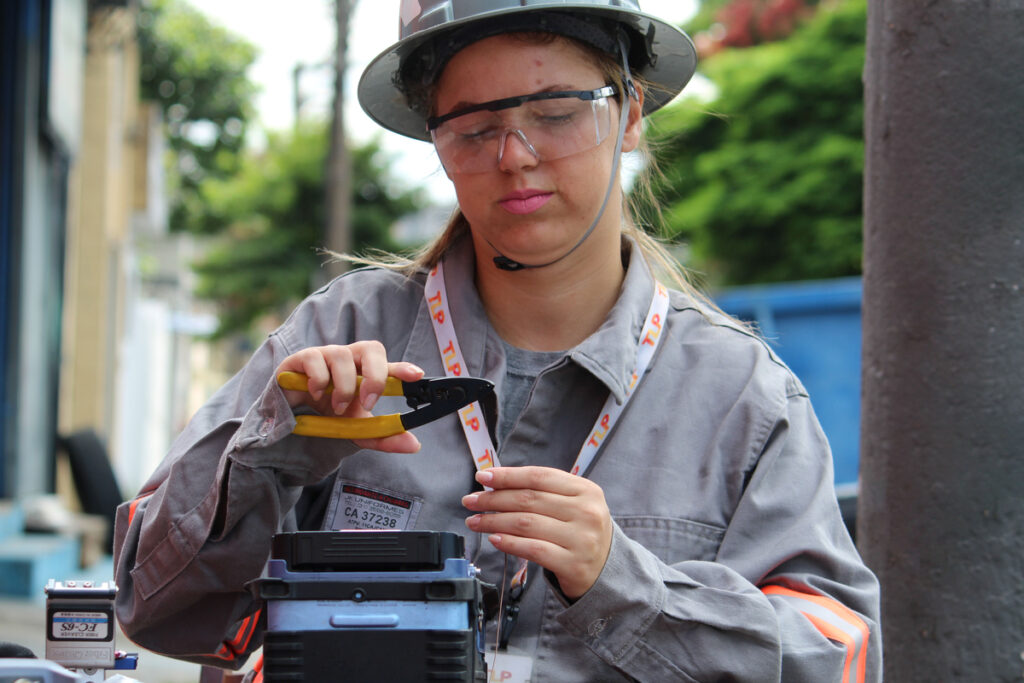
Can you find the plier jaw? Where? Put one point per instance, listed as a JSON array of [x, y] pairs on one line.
[[430, 399]]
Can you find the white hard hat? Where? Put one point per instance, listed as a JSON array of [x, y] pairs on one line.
[[431, 31]]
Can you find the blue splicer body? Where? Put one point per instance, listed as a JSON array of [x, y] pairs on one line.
[[371, 605]]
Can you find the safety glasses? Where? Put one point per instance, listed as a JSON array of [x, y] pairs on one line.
[[551, 125]]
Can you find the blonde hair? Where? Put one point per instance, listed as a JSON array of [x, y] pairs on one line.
[[663, 264]]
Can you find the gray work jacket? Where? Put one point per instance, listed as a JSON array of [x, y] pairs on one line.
[[729, 559]]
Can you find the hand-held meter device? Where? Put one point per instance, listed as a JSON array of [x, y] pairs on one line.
[[80, 629]]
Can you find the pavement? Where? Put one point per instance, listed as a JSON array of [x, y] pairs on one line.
[[24, 622]]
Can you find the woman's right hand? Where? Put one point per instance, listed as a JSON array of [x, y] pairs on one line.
[[340, 365]]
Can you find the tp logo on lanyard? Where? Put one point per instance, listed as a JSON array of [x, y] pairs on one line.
[[478, 436], [475, 428]]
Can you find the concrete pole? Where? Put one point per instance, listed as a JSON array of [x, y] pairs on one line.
[[942, 466]]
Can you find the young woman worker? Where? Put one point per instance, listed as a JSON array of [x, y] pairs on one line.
[[658, 469]]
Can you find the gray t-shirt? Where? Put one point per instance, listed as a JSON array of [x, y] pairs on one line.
[[521, 370]]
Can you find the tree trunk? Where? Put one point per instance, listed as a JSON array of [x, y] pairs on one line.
[[338, 232], [941, 515]]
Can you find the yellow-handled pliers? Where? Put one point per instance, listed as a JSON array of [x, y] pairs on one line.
[[429, 399]]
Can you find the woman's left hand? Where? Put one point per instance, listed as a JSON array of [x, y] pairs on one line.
[[547, 516]]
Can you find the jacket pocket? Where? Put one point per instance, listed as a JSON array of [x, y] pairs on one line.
[[672, 539]]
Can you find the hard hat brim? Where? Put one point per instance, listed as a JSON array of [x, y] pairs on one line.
[[676, 61]]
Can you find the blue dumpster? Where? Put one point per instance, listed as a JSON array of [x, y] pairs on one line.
[[814, 327]]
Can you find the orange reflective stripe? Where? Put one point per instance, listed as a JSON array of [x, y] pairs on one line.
[[835, 621], [245, 631], [223, 653], [135, 504], [230, 649], [233, 643], [832, 632], [258, 669]]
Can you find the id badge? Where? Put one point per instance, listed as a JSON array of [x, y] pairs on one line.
[[357, 506], [508, 666]]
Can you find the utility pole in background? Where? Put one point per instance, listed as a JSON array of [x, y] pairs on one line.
[[941, 515], [338, 233]]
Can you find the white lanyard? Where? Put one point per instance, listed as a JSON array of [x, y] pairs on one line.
[[475, 427], [471, 416], [473, 424]]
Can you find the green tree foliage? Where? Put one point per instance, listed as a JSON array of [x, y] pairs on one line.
[[764, 183], [196, 70], [273, 213]]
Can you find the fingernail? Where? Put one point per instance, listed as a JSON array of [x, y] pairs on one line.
[[418, 369], [341, 408], [470, 499], [473, 522], [494, 539], [485, 477], [370, 401]]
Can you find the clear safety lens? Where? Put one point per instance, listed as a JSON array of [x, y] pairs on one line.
[[552, 126]]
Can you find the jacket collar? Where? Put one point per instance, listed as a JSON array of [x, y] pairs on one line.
[[610, 352]]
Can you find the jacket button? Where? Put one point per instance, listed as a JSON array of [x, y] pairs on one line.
[[266, 426], [597, 626]]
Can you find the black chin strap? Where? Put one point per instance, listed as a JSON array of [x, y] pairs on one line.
[[504, 262]]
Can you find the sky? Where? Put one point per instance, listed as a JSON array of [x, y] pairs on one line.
[[302, 32]]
